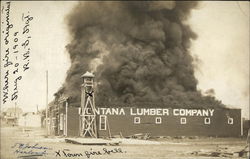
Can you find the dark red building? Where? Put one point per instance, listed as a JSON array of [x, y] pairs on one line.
[[86, 120], [177, 122], [164, 122]]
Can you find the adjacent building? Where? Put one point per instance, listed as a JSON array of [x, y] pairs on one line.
[[11, 115]]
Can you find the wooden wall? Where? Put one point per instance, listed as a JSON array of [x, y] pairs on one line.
[[73, 122], [171, 126]]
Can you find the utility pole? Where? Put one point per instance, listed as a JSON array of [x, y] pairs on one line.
[[47, 103], [15, 115], [15, 109]]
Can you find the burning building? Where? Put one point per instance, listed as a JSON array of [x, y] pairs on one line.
[[140, 55], [88, 120]]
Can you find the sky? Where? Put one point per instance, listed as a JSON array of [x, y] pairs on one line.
[[222, 50]]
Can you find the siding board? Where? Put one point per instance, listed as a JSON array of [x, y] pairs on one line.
[[171, 126]]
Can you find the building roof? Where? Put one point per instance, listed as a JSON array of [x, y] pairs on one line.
[[14, 110], [32, 114], [88, 74]]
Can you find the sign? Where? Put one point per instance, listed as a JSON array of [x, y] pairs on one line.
[[155, 111]]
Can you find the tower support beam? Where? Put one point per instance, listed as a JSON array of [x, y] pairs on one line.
[[88, 113]]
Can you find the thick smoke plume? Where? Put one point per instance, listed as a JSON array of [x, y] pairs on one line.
[[138, 51]]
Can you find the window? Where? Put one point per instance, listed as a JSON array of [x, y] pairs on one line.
[[207, 120], [53, 122], [137, 120], [158, 120], [61, 122], [230, 121], [47, 121], [103, 122], [183, 120]]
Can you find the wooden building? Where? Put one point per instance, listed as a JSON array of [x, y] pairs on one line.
[[87, 120], [11, 115], [221, 123], [174, 122]]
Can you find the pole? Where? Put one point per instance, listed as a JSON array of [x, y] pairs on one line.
[[15, 121], [66, 118], [47, 102], [15, 109], [108, 127]]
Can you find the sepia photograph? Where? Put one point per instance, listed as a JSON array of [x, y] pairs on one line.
[[125, 80]]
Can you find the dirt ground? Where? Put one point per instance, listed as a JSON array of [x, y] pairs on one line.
[[31, 143]]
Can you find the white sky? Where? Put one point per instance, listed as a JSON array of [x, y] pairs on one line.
[[222, 47]]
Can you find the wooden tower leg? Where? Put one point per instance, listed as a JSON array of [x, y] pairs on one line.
[[88, 112]]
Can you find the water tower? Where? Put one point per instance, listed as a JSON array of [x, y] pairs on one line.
[[88, 113]]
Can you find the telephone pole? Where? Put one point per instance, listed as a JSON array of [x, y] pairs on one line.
[[47, 103]]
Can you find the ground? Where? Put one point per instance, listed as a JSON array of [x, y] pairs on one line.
[[17, 142]]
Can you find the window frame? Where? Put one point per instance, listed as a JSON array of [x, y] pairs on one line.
[[156, 122], [61, 121], [183, 122], [209, 121], [230, 121], [137, 122], [103, 120]]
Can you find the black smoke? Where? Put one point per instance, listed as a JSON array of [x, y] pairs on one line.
[[138, 51]]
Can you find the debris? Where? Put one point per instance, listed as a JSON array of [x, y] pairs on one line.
[[220, 152], [91, 142], [144, 136], [136, 141], [193, 137], [215, 154], [121, 136], [244, 152], [179, 137]]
